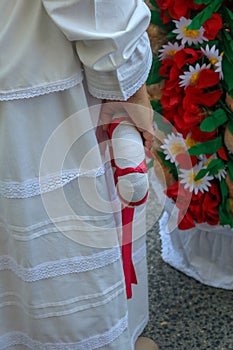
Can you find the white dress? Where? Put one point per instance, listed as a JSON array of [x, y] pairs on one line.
[[61, 277]]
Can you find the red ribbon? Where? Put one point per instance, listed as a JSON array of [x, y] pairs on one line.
[[129, 271], [127, 218]]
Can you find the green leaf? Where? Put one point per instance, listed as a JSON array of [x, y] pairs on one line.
[[153, 2], [205, 14], [157, 107], [215, 165], [224, 190], [202, 173], [213, 168], [156, 19], [230, 169], [230, 126], [162, 125], [212, 122], [154, 76], [227, 17], [202, 2], [150, 164], [171, 166], [227, 72], [206, 147], [224, 207]]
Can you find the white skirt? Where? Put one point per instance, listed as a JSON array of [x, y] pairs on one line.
[[204, 252], [61, 277]]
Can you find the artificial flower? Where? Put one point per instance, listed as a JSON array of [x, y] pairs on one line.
[[197, 96], [188, 36], [188, 179], [173, 145], [214, 57], [192, 65], [212, 26], [169, 50], [191, 77], [187, 55], [210, 204], [176, 8], [206, 161]]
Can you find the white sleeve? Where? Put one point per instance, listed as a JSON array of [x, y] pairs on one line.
[[110, 40]]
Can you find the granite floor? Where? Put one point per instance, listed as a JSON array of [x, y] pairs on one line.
[[184, 314]]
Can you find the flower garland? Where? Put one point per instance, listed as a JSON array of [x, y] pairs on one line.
[[195, 67]]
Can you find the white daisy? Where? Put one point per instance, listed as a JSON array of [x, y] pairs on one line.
[[188, 179], [191, 77], [187, 35], [169, 50], [206, 161], [189, 141], [173, 145], [214, 57]]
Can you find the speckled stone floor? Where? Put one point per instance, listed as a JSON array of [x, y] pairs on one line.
[[184, 314]]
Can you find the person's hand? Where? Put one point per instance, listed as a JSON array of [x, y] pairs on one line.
[[138, 109]]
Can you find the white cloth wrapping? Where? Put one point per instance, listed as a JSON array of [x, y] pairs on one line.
[[128, 152], [61, 277]]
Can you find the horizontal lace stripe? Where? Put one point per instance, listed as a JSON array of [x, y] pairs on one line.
[[36, 186], [60, 267], [46, 88]]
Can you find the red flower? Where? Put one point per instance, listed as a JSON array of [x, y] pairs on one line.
[[187, 55], [193, 115], [222, 153], [202, 136], [174, 9], [197, 96], [167, 64], [195, 208], [207, 78], [212, 26], [210, 204]]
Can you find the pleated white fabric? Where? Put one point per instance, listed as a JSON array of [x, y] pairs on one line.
[[61, 277]]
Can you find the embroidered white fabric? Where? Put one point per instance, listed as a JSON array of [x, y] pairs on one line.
[[60, 267], [95, 342], [36, 186], [132, 80], [42, 89]]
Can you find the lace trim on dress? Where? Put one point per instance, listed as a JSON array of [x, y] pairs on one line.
[[95, 342], [37, 186], [60, 267], [44, 89], [130, 83]]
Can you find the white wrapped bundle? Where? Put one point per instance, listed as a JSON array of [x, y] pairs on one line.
[[129, 160]]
